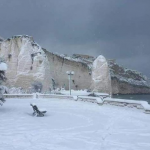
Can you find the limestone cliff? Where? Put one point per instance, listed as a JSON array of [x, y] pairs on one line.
[[126, 81], [123, 80], [60, 64], [26, 62]]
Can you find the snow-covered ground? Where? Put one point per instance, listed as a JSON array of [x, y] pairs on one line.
[[72, 125]]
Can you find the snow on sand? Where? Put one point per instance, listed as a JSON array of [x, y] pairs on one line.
[[71, 125]]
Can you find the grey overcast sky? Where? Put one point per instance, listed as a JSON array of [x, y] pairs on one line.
[[117, 29]]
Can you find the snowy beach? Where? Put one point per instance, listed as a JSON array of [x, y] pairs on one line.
[[70, 125]]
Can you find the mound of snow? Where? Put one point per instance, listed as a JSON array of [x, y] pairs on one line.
[[3, 66]]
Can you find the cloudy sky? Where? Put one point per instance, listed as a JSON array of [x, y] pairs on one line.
[[117, 29]]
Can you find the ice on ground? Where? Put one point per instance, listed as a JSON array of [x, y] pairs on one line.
[[70, 125]]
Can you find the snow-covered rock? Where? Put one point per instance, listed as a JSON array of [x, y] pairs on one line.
[[101, 81], [127, 81], [26, 61]]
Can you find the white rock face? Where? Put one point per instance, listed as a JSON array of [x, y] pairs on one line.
[[101, 81], [26, 62]]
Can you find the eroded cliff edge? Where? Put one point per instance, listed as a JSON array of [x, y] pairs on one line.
[[28, 62], [127, 81]]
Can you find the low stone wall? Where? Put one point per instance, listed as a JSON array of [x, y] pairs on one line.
[[37, 96], [18, 95], [54, 96], [129, 103]]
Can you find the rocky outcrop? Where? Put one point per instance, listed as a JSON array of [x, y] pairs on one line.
[[121, 87], [101, 81], [60, 64], [126, 81], [26, 62]]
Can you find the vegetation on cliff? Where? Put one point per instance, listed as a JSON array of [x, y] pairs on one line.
[[3, 68]]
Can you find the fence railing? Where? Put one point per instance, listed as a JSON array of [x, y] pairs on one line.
[[37, 95], [18, 95]]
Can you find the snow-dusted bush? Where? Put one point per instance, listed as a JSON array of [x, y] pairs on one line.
[[37, 86], [3, 89], [3, 68], [15, 90]]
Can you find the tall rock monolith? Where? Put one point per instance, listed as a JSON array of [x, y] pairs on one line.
[[101, 81]]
